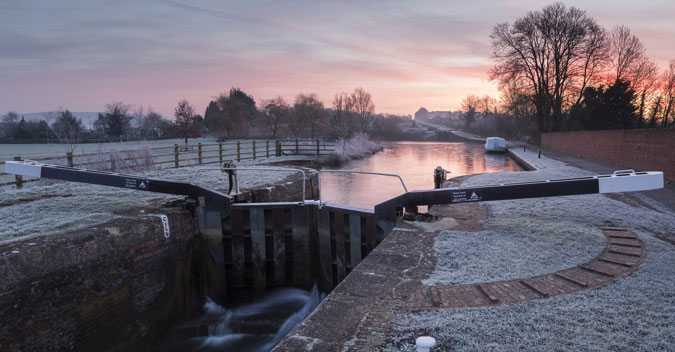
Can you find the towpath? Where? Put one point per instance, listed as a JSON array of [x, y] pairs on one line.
[[590, 272]]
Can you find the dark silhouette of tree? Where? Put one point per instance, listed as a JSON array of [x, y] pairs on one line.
[[212, 117], [237, 112], [186, 124], [68, 129], [342, 116], [363, 108], [606, 108], [275, 113], [10, 124], [114, 122], [626, 51], [309, 112], [546, 51], [469, 105], [155, 125], [668, 89]]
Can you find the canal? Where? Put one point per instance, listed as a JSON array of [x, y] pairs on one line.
[[415, 163]]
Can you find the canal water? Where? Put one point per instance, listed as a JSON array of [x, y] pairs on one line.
[[415, 163]]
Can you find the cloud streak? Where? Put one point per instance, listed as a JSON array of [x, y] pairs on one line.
[[84, 54]]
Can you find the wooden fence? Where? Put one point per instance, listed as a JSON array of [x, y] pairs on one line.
[[182, 155]]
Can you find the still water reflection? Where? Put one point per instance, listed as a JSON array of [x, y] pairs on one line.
[[415, 163]]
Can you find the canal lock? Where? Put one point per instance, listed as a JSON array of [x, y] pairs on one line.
[[270, 263]]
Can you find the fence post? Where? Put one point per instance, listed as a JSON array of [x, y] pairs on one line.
[[318, 151], [267, 147], [254, 149], [69, 158], [113, 164], [238, 151], [220, 151], [199, 153], [297, 147], [277, 144], [175, 155], [19, 178]]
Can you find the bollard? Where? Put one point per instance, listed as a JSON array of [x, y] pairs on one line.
[[199, 153], [440, 176], [539, 154], [524, 144], [425, 343]]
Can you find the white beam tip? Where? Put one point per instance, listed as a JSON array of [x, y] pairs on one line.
[[25, 168], [424, 343]]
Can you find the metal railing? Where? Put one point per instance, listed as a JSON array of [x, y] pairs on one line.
[[286, 169], [356, 172]]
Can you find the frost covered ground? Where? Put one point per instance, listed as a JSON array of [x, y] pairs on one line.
[[537, 236], [72, 204]]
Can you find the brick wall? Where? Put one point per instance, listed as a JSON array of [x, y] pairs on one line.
[[115, 286], [641, 149]]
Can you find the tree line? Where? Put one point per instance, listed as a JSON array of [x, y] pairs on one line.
[[559, 70], [234, 114]]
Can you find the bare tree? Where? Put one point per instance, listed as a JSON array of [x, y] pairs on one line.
[[471, 102], [275, 112], [308, 110], [186, 121], [67, 129], [626, 51], [516, 101], [487, 105], [543, 51], [644, 83], [154, 124], [668, 93], [342, 115], [363, 107], [593, 60]]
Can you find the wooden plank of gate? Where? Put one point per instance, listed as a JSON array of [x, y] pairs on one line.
[[279, 244], [325, 258], [238, 248], [339, 244], [302, 274], [258, 253], [355, 239]]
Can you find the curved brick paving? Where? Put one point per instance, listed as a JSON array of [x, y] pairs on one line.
[[623, 254]]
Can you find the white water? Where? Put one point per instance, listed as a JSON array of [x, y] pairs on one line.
[[279, 303]]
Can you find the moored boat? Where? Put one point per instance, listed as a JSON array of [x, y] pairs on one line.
[[495, 145]]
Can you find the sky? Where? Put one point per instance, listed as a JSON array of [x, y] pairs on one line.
[[84, 54]]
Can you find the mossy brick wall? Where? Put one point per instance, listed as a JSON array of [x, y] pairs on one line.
[[640, 149], [116, 286]]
